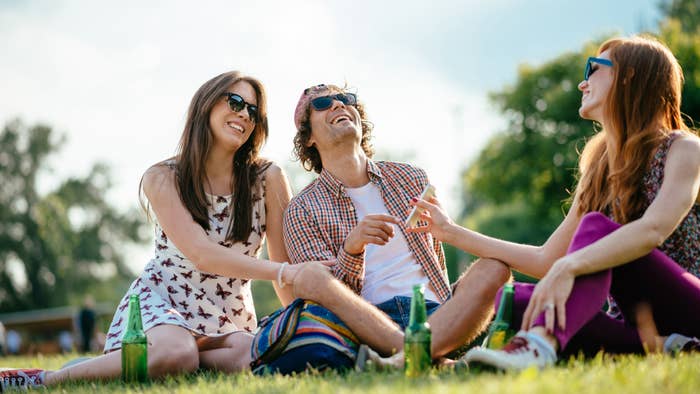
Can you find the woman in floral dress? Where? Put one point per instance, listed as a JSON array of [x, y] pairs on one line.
[[214, 203]]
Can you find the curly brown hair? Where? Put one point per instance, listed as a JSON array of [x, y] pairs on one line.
[[308, 155]]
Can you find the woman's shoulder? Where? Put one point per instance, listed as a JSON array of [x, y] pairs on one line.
[[271, 171], [160, 176], [686, 145]]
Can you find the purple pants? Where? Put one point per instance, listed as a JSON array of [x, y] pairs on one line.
[[672, 292]]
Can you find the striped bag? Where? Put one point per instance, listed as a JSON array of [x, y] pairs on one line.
[[302, 335]]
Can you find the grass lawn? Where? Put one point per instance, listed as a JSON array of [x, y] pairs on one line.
[[606, 375]]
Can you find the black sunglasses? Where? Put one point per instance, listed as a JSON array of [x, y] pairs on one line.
[[237, 103], [325, 102]]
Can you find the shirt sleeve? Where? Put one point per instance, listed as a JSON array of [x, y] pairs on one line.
[[306, 240]]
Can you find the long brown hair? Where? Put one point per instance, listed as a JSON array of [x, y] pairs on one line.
[[195, 144], [643, 107]]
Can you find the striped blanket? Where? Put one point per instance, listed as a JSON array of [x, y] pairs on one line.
[[300, 324]]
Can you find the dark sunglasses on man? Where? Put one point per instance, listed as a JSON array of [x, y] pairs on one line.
[[325, 102], [237, 103]]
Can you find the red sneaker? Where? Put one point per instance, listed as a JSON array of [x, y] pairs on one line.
[[21, 378]]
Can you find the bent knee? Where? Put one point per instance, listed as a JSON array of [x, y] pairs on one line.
[[485, 276], [173, 358], [494, 272]]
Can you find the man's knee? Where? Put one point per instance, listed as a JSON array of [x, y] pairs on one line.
[[483, 278]]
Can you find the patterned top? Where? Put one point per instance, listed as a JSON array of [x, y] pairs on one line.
[[322, 215], [173, 291], [683, 246]]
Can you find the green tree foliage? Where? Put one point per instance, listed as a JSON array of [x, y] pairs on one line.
[[54, 247], [518, 186]]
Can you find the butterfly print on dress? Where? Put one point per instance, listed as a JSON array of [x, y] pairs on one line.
[[155, 279], [161, 247], [121, 319], [167, 263], [200, 312], [201, 327], [223, 319], [236, 312], [204, 276], [221, 292], [230, 282], [114, 334], [187, 274], [187, 289], [184, 304], [188, 315], [221, 216]]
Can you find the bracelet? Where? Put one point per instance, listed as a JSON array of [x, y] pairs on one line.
[[279, 275]]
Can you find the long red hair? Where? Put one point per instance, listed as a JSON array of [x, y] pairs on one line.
[[643, 106]]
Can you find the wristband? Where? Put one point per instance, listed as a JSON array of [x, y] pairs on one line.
[[279, 275]]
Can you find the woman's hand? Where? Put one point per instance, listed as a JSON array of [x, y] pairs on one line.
[[438, 223], [550, 296]]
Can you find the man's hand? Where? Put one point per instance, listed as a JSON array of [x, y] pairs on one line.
[[374, 229]]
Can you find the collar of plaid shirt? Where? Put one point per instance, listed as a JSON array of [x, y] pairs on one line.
[[336, 187]]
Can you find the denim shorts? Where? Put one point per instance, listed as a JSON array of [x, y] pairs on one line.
[[399, 309]]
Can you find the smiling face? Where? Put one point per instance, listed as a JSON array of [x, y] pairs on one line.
[[595, 90], [231, 129], [338, 123]]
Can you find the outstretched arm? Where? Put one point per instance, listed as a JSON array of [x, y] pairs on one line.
[[191, 239], [531, 260], [277, 196]]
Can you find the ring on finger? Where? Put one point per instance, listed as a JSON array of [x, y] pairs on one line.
[[548, 306]]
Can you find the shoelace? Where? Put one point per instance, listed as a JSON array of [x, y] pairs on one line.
[[19, 379], [517, 345]]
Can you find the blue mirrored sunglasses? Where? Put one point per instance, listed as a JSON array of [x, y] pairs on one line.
[[589, 68], [325, 102]]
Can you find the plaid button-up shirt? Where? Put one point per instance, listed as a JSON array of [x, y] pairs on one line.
[[322, 215]]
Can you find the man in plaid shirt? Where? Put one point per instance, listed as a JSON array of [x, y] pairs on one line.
[[352, 214]]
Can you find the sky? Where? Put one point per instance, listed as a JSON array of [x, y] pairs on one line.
[[116, 77]]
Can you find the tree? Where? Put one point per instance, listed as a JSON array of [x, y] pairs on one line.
[[56, 246]]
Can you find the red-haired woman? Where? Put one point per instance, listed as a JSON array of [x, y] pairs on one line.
[[633, 230], [214, 203]]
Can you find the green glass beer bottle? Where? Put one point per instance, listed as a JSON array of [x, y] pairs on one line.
[[501, 331], [134, 345], [417, 337]]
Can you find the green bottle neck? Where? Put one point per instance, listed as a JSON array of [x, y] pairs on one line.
[[418, 312], [505, 308], [134, 323]]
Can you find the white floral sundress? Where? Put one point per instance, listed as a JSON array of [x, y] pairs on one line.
[[173, 291]]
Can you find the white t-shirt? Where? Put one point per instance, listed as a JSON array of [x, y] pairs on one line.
[[390, 270]]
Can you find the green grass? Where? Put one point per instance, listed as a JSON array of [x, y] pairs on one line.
[[603, 374]]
